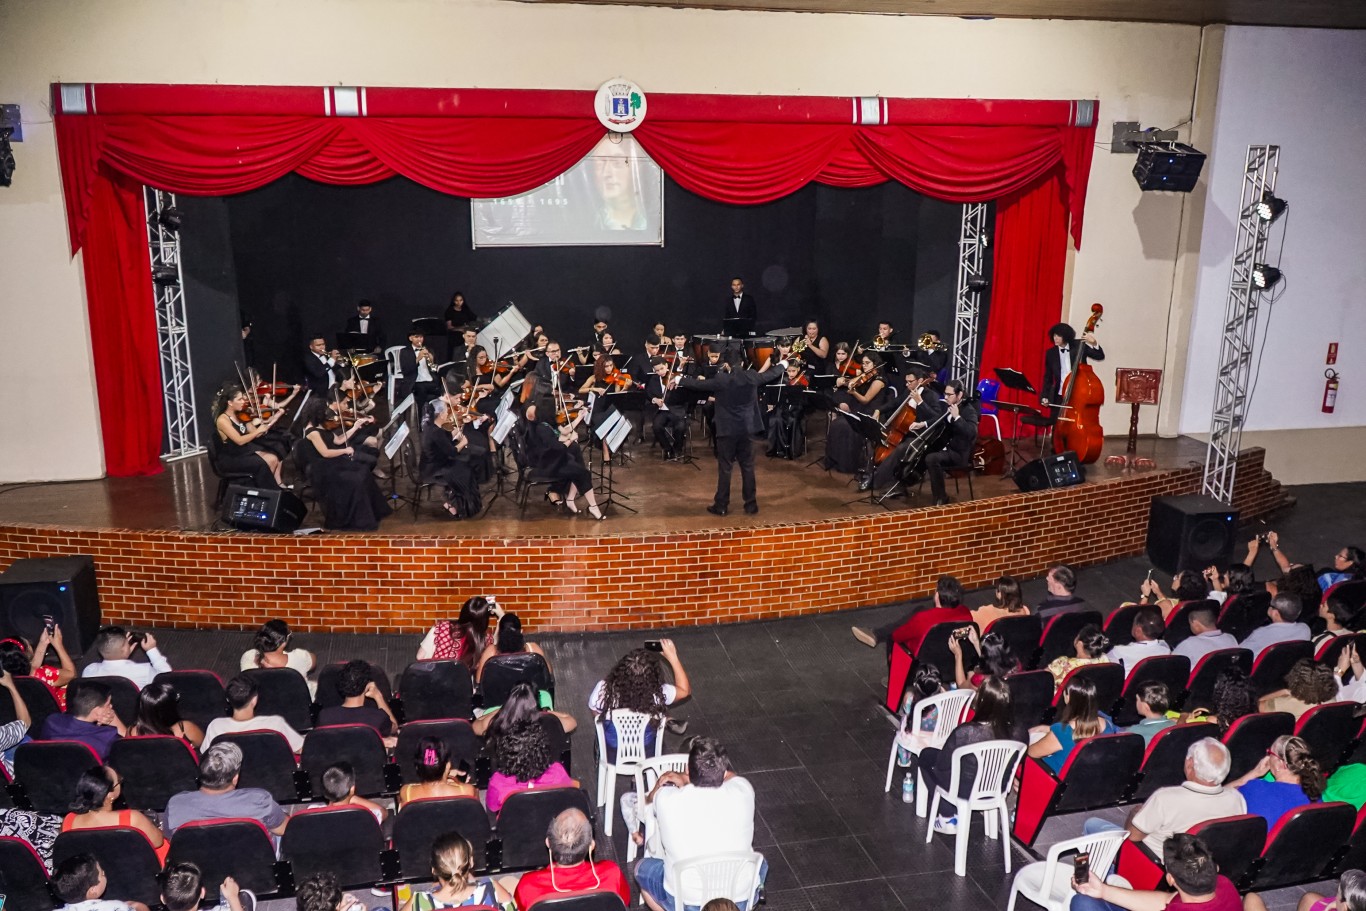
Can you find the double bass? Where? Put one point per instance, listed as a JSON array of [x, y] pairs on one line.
[[1078, 427]]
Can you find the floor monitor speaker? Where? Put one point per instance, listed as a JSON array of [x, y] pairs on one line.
[[1190, 532], [263, 510], [62, 588], [1060, 470]]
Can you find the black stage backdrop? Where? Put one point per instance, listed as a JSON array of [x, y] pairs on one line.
[[303, 253]]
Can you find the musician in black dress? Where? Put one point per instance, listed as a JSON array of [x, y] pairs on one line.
[[1059, 360], [867, 393], [458, 315], [238, 449], [959, 437], [350, 498], [447, 458], [554, 452], [815, 347], [786, 435], [366, 323], [668, 410]]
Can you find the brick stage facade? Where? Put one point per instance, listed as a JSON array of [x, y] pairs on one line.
[[389, 583]]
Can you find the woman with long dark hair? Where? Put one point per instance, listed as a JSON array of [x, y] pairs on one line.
[[435, 775], [1006, 602], [996, 659], [238, 450], [347, 489], [864, 393], [993, 718], [521, 752], [554, 452], [1080, 719], [92, 807], [159, 713], [508, 639], [1234, 697], [463, 638], [636, 683]]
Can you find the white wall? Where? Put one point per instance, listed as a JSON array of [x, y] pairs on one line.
[[1301, 89], [1142, 72]]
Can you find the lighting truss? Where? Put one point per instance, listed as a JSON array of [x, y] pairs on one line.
[[1240, 327], [173, 339], [972, 247]]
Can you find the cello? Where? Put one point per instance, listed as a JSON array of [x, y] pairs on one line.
[[1078, 427]]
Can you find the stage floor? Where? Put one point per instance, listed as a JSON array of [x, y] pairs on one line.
[[669, 497]]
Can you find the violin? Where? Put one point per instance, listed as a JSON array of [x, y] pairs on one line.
[[800, 380], [277, 390], [619, 379], [847, 368], [1078, 428], [249, 414], [861, 379]]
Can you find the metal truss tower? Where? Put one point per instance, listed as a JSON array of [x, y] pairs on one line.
[[1240, 327], [972, 246], [173, 340]]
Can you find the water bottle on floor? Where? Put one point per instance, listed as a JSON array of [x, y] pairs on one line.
[[908, 787]]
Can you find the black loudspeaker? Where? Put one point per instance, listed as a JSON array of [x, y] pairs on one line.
[[62, 588], [1168, 166], [1190, 532], [262, 510], [1060, 470]]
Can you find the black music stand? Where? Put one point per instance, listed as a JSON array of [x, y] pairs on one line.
[[430, 327], [353, 341], [600, 436], [737, 326], [691, 399], [874, 435], [632, 400], [1014, 379]]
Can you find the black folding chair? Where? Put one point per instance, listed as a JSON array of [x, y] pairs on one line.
[[522, 824], [200, 694], [343, 841], [436, 689], [358, 744], [268, 763], [23, 877], [240, 848], [47, 771], [421, 822], [127, 857], [283, 692], [154, 769]]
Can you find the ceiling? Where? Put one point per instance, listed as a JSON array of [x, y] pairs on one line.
[[1305, 13]]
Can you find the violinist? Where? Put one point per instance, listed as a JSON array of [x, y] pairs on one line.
[[477, 404], [668, 408], [447, 458], [278, 439], [323, 369], [1059, 360], [417, 371], [239, 434], [679, 358], [653, 348], [843, 364], [814, 348], [959, 437], [553, 451], [362, 432], [367, 324], [350, 498], [606, 377], [786, 436], [864, 393], [487, 373]]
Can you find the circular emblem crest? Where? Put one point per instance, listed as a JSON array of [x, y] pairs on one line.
[[620, 105]]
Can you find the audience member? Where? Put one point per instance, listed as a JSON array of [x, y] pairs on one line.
[[159, 714], [1190, 870], [116, 646], [93, 808], [1205, 634], [362, 702], [339, 790], [521, 758], [79, 882], [1298, 581], [1007, 603], [1080, 719], [1349, 660], [997, 659], [320, 892], [1284, 612], [1348, 563], [1288, 776], [1238, 580], [993, 718], [1147, 632], [1174, 809], [1089, 647], [1152, 703], [271, 649], [243, 694], [182, 889], [1234, 697], [1350, 896], [507, 639], [709, 810], [909, 632], [569, 840], [456, 885], [636, 684], [23, 660], [725, 904], [1308, 683], [463, 638], [13, 733], [219, 797], [435, 777], [1347, 784], [1061, 582], [925, 682], [515, 706], [1187, 585], [1336, 614], [89, 719]]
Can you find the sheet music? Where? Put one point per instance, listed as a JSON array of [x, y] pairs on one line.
[[504, 406], [392, 445], [404, 405], [506, 421]]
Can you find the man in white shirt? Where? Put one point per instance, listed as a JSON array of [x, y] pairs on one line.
[[708, 811], [242, 696], [1284, 612], [116, 646], [1206, 637], [1147, 632]]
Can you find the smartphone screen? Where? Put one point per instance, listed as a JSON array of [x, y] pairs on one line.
[[1081, 867], [654, 645]]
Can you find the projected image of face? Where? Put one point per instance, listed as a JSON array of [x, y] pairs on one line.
[[621, 207]]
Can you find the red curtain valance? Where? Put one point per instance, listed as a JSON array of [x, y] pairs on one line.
[[219, 140]]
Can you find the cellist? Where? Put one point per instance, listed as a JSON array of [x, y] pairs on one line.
[[1059, 360], [921, 396]]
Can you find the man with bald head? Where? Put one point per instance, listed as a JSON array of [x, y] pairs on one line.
[[569, 840]]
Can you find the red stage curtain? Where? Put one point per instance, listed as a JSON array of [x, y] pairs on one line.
[[208, 140]]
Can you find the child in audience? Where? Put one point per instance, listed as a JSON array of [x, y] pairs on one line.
[[1090, 647], [80, 883], [453, 866], [339, 789], [1151, 702], [182, 889]]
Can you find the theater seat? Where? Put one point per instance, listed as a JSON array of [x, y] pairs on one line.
[[199, 694], [1249, 737], [1275, 661], [343, 841], [358, 744], [1243, 613], [1332, 731], [1235, 842], [1098, 773], [1164, 764], [436, 689], [1021, 632], [268, 763], [522, 824], [1172, 670], [1119, 626], [1300, 847], [1031, 697], [47, 771], [25, 878], [154, 769], [1060, 632], [456, 733], [1178, 624], [127, 857], [240, 848], [1200, 687], [1107, 678], [419, 823]]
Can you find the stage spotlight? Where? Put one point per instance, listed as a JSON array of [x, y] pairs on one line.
[[170, 219], [1270, 208], [166, 275], [1264, 276], [6, 157], [978, 285]]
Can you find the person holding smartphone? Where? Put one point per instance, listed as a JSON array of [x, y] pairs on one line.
[[637, 683], [1190, 870]]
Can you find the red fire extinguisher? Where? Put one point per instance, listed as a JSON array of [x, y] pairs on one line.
[[1330, 391]]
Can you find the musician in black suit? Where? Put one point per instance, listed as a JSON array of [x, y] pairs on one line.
[[736, 390], [740, 305], [367, 324], [928, 404], [668, 410], [1061, 359], [418, 369], [960, 438], [322, 369]]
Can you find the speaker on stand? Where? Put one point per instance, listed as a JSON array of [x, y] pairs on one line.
[[1190, 532], [62, 588]]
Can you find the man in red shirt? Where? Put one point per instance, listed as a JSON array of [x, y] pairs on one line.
[[1191, 870], [909, 632], [570, 841]]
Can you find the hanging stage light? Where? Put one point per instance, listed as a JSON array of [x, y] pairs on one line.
[[1271, 207], [170, 219], [6, 157], [978, 285], [166, 275], [1264, 276]]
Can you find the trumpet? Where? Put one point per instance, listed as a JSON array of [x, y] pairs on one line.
[[799, 344], [423, 354], [929, 343]]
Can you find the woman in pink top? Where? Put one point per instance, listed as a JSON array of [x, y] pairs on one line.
[[521, 751]]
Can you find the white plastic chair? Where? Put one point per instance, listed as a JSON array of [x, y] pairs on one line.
[[733, 875], [952, 705], [1049, 882], [631, 727], [395, 372], [996, 763], [647, 773]]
